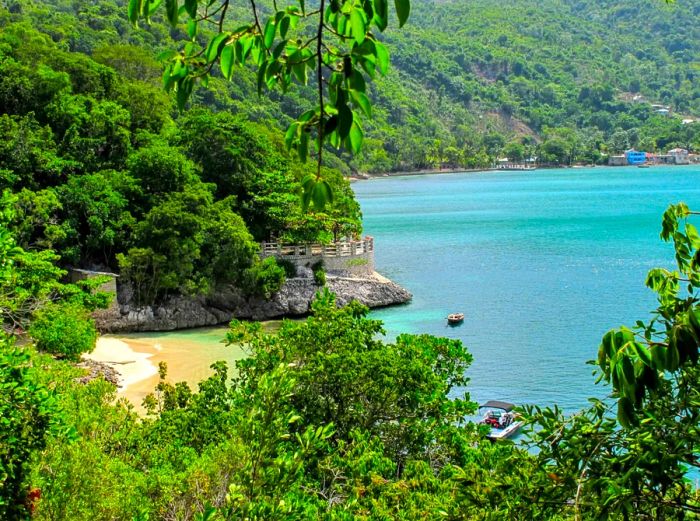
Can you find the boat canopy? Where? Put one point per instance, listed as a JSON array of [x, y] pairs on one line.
[[499, 405]]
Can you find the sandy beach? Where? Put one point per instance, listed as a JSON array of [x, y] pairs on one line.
[[188, 355], [132, 366]]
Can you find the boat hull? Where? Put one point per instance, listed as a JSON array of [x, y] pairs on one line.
[[502, 434]]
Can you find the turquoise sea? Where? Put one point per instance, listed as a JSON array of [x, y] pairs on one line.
[[542, 263]]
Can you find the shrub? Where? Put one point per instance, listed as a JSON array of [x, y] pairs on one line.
[[319, 273], [290, 269], [63, 329], [264, 278], [27, 411]]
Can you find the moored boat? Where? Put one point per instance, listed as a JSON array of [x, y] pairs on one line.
[[455, 318], [500, 417]]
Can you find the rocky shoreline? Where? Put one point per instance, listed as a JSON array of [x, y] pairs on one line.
[[95, 369], [294, 299]]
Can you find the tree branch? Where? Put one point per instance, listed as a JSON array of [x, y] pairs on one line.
[[319, 56]]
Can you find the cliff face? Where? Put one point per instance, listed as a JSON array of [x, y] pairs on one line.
[[294, 299]]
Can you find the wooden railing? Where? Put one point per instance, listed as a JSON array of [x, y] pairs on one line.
[[336, 249]]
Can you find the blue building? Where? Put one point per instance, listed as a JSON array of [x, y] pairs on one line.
[[635, 157]]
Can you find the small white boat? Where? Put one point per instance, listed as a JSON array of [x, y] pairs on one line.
[[455, 318], [500, 417]]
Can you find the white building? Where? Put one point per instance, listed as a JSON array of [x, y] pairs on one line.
[[679, 156]]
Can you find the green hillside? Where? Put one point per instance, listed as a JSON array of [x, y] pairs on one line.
[[471, 81]]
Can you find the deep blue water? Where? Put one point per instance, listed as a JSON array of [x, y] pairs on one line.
[[542, 263]]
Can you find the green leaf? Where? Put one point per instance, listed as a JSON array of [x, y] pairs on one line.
[[330, 125], [150, 7], [367, 63], [303, 149], [290, 135], [358, 24], [192, 29], [227, 59], [329, 198], [134, 10], [693, 236], [625, 412], [643, 353], [191, 8], [299, 70], [357, 82], [270, 30], [246, 45], [403, 9], [213, 49], [179, 70], [658, 356], [261, 77], [694, 322], [171, 9], [306, 116], [321, 195], [361, 99], [307, 184], [284, 27], [382, 57], [672, 357], [184, 89], [355, 138], [345, 119], [381, 14], [628, 379]]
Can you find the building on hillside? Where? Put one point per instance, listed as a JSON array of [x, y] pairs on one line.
[[635, 157], [676, 156], [620, 160], [506, 164], [679, 155]]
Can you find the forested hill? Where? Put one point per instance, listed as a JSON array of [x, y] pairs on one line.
[[537, 67], [471, 80]]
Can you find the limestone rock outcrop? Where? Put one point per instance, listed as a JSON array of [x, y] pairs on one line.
[[293, 299]]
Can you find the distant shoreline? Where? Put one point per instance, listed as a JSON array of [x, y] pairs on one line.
[[367, 177]]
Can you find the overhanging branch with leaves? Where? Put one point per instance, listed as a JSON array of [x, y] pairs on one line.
[[336, 41]]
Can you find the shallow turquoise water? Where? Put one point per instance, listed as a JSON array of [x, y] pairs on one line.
[[542, 263]]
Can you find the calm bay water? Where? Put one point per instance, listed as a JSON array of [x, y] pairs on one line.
[[542, 263]]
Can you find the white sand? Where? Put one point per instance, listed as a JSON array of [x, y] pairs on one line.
[[188, 357], [132, 366]]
